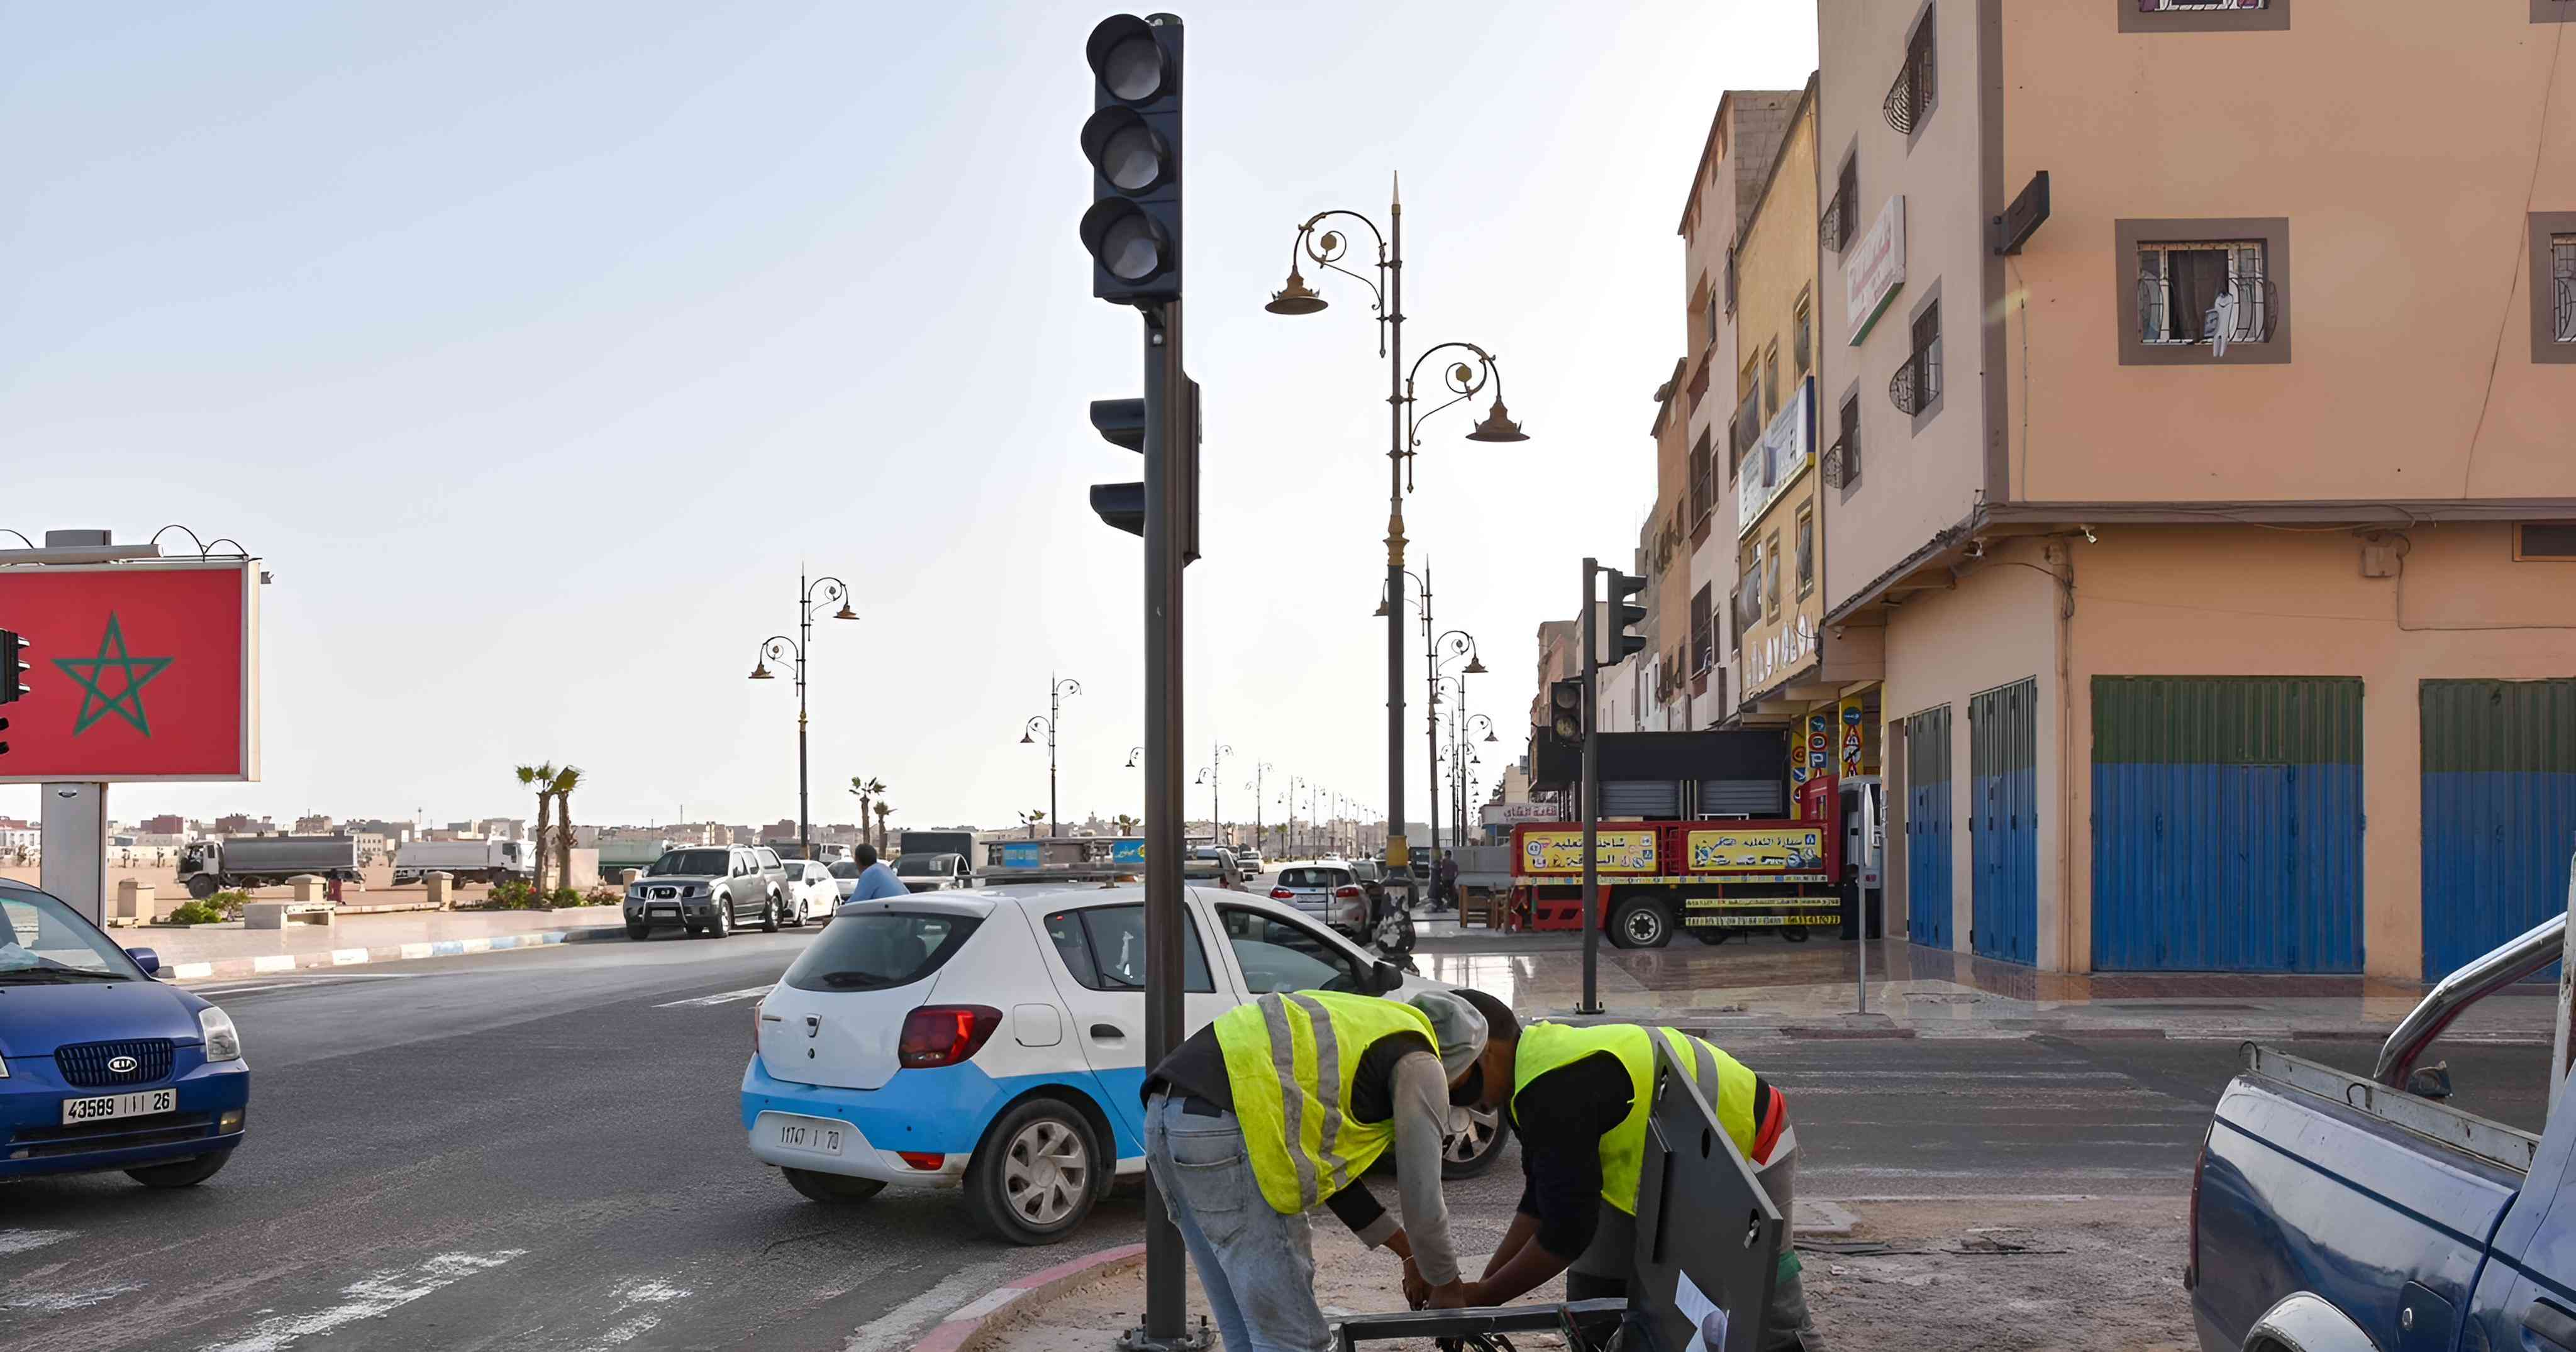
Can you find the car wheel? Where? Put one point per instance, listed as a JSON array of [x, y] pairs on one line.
[[832, 1188], [1641, 922], [639, 933], [1036, 1175], [1474, 1143], [769, 921], [720, 921], [184, 1173], [1793, 933]]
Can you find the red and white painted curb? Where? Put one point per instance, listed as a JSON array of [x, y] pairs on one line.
[[965, 1328], [229, 969]]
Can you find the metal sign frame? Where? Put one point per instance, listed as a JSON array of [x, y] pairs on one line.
[[246, 757]]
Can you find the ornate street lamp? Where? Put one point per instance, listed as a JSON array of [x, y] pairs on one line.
[[1046, 722], [810, 597]]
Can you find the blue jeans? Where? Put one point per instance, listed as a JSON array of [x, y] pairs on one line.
[[1257, 1266]]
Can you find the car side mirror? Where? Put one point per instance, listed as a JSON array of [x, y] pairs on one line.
[[1386, 977], [2430, 1082], [146, 959]]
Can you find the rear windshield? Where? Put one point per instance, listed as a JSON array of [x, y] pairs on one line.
[[845, 868], [879, 950], [1313, 877], [917, 866], [691, 864]]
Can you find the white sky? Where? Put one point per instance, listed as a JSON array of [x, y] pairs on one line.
[[534, 347]]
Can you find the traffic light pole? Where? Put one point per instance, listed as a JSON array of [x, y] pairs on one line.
[[1167, 430], [1591, 794]]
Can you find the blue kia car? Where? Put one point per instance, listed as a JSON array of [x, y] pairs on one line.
[[102, 1066]]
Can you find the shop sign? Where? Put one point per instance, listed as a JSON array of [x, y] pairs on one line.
[[1874, 272], [1787, 448], [1562, 852], [1762, 850]]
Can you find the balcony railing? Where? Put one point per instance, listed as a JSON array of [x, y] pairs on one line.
[[1832, 465], [2565, 327], [2246, 310], [1917, 383], [1900, 100], [1830, 228]]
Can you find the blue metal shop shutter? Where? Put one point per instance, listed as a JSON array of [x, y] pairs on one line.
[[2226, 824], [2499, 812], [1927, 828], [2003, 832]]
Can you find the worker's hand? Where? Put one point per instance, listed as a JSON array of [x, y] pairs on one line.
[[1449, 1296], [1416, 1290]]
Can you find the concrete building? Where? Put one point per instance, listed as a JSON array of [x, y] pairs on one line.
[[2217, 526]]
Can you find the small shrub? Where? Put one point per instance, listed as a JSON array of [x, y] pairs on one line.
[[604, 895], [196, 913], [230, 902], [513, 895], [563, 896]]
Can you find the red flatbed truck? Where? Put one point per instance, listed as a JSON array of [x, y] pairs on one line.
[[1710, 879]]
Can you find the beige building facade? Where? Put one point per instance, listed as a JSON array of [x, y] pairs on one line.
[[2200, 450]]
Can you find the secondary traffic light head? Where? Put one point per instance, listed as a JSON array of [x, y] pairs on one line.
[[1121, 422], [13, 647], [1133, 140], [1565, 709], [1624, 615]]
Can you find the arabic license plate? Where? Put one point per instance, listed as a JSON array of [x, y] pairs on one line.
[[812, 1134], [105, 1106]]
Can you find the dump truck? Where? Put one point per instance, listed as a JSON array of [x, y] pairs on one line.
[[483, 861], [211, 866]]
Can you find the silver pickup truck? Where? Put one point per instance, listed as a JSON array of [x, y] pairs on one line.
[[709, 890]]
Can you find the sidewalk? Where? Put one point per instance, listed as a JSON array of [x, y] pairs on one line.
[[229, 951], [1763, 985]]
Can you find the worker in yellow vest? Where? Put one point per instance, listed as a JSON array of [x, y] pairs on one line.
[[1281, 1105], [1578, 1097]]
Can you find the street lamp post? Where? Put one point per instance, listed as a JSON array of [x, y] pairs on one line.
[[810, 597], [1214, 777], [1259, 768], [1056, 691], [1463, 730], [1437, 653], [1326, 248]]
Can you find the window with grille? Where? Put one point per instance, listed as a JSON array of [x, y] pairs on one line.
[[1802, 343], [1917, 89], [1712, 320], [1703, 630], [2192, 291], [1806, 551], [1842, 215], [1730, 279], [1742, 432], [1703, 494], [1771, 578], [1771, 380], [1735, 620], [1916, 386], [2562, 275], [2545, 542], [1846, 448]]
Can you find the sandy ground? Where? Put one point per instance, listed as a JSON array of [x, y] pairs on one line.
[[2099, 1275]]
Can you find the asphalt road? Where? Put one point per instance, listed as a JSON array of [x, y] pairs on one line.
[[541, 1151]]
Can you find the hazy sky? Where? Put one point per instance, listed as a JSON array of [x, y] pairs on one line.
[[535, 346]]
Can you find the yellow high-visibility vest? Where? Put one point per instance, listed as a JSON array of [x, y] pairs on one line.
[[1724, 1080], [1291, 1060]]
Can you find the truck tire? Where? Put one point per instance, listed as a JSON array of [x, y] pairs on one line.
[[1641, 922], [203, 885]]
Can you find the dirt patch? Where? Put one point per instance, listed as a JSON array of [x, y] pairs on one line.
[[2086, 1276]]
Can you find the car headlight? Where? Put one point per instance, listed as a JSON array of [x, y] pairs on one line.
[[4, 1067], [223, 1041]]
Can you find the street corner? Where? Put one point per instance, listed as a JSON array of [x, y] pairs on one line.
[[1019, 1315]]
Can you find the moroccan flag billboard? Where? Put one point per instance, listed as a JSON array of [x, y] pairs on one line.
[[136, 671]]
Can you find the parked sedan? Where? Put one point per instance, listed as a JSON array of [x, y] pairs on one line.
[[708, 891], [101, 1066], [845, 877], [811, 892], [994, 1042], [1330, 893], [930, 872]]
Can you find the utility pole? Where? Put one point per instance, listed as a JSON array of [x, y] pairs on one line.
[[1591, 796]]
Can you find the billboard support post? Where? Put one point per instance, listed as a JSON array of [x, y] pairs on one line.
[[73, 865]]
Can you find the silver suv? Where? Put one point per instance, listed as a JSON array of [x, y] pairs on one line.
[[709, 890]]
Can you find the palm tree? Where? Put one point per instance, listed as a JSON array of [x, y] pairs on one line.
[[1126, 824], [566, 780], [540, 777], [867, 790], [883, 812], [1031, 818]]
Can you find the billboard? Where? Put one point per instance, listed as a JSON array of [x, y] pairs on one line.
[[1758, 850], [1562, 851], [139, 671]]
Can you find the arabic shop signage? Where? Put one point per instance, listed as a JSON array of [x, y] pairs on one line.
[[1874, 272], [1787, 448], [1785, 649], [146, 670], [1562, 851]]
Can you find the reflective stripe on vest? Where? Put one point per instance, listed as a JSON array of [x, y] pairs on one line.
[[1726, 1083], [1291, 1060]]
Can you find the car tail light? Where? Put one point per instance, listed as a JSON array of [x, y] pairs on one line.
[[1346, 892], [1282, 894], [2191, 1254], [916, 1159], [945, 1035]]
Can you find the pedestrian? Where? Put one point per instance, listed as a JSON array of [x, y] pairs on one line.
[[1446, 886], [1282, 1104], [876, 881], [1578, 1097]]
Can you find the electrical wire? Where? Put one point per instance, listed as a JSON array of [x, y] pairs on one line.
[[2504, 322]]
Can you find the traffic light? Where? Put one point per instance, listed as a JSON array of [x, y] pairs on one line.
[[1133, 140], [1565, 709], [1620, 614], [1121, 422], [13, 649]]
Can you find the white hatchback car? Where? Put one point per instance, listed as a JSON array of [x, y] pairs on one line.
[[810, 894], [994, 1040]]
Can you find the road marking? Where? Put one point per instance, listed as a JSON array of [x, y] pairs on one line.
[[897, 1326], [370, 1297], [57, 1302], [19, 1241], [726, 998], [631, 1295]]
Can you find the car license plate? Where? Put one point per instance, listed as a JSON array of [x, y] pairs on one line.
[[661, 910], [105, 1106], [812, 1134]]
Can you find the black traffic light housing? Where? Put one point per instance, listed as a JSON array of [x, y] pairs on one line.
[[13, 650], [1624, 614], [1133, 140], [1565, 709], [1121, 422]]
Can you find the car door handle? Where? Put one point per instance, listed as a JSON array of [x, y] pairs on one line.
[[1108, 1031], [2552, 1325]]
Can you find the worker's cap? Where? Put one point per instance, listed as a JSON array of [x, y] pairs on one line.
[[1456, 1025]]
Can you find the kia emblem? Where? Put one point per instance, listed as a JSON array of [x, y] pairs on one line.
[[122, 1065]]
